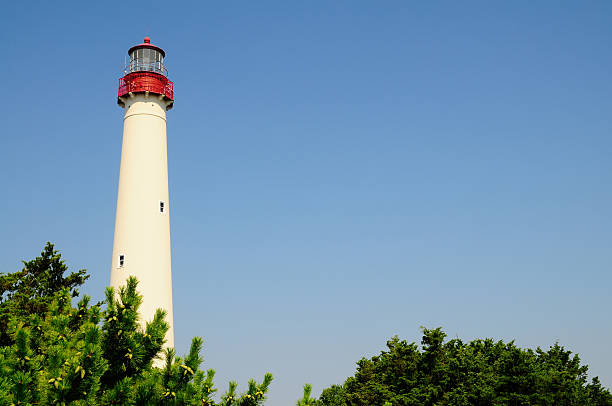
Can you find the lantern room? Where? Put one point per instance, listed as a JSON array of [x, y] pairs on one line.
[[147, 57], [145, 73]]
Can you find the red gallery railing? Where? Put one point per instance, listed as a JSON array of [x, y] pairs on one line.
[[139, 82]]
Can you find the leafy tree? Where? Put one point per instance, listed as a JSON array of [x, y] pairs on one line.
[[87, 355], [481, 372], [335, 395], [31, 289]]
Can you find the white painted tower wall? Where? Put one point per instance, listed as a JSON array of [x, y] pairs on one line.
[[142, 229]]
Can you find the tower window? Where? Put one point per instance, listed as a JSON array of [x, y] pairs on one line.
[[162, 206], [121, 261]]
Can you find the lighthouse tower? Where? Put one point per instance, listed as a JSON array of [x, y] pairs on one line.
[[141, 246]]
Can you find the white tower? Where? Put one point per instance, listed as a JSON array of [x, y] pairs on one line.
[[142, 227]]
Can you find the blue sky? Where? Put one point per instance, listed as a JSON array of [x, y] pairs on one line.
[[340, 172]]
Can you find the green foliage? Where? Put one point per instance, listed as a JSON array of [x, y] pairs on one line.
[[31, 289], [306, 399], [335, 395], [478, 373], [86, 355]]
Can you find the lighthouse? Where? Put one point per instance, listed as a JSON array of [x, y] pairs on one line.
[[141, 245]]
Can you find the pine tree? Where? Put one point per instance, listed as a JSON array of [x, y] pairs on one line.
[[90, 355], [306, 400], [31, 289]]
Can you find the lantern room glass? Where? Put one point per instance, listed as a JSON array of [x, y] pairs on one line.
[[146, 59]]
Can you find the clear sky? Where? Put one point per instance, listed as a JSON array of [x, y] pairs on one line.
[[340, 172]]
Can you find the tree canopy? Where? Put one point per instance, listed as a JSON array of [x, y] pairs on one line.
[[61, 354], [478, 373], [31, 290], [56, 352]]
